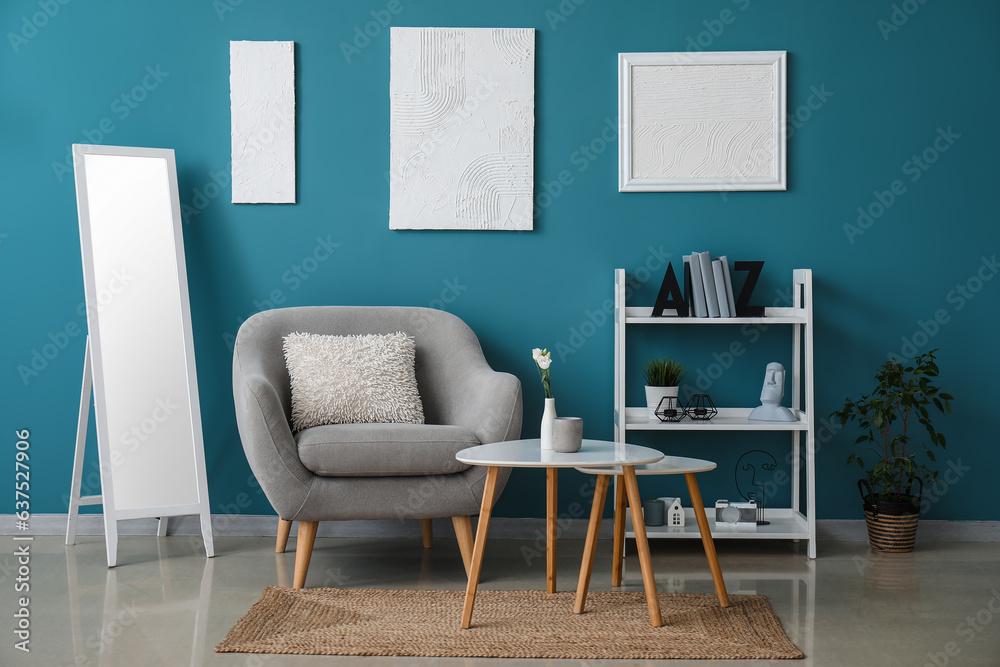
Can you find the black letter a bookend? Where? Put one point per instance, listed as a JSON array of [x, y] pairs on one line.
[[670, 295]]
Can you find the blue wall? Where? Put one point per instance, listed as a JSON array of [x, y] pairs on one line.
[[866, 98]]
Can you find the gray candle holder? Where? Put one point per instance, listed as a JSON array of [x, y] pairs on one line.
[[567, 434], [653, 512]]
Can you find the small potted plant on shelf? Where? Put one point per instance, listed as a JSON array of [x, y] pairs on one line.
[[898, 434], [663, 378]]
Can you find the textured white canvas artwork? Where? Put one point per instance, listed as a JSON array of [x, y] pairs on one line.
[[262, 93], [461, 137], [703, 121]]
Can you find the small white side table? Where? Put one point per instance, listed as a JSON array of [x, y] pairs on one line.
[[668, 465], [529, 454]]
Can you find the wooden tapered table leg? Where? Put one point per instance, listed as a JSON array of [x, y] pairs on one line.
[[706, 538], [619, 553], [551, 494], [480, 546], [590, 547], [642, 546]]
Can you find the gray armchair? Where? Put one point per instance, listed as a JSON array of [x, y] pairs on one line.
[[372, 471]]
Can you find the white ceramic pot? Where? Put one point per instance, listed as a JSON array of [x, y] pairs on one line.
[[653, 397]]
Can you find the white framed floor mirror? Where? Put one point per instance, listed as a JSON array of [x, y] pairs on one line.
[[139, 364]]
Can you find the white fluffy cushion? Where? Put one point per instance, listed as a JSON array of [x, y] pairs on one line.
[[352, 379]]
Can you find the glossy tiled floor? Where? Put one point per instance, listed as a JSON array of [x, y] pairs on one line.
[[166, 604]]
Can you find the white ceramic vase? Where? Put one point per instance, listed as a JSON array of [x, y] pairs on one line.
[[653, 397], [548, 418]]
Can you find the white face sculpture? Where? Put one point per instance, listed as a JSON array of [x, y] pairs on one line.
[[774, 384]]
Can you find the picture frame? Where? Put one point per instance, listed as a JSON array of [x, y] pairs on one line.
[[677, 110]]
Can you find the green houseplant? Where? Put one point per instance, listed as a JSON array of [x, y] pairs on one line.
[[663, 378], [898, 440]]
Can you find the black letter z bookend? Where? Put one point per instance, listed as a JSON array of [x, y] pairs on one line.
[[743, 307], [670, 295]]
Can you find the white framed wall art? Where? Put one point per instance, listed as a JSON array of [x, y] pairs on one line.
[[462, 108], [701, 121]]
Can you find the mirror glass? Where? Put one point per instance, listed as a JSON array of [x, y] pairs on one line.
[[136, 322]]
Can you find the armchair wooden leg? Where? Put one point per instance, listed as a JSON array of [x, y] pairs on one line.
[[463, 531], [427, 532], [284, 527], [303, 551]]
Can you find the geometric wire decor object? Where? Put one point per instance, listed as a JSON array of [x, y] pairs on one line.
[[700, 407], [461, 119], [669, 409], [701, 121]]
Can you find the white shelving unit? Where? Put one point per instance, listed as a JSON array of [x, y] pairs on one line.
[[787, 523]]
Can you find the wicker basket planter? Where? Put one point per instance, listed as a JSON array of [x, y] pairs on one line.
[[892, 526]]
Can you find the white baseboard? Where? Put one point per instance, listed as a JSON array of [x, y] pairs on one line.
[[258, 525]]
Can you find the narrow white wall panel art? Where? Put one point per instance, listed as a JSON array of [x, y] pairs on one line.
[[462, 107], [262, 92]]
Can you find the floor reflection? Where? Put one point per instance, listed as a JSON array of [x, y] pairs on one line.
[[140, 600], [166, 604]]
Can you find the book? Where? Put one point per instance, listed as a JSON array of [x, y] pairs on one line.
[[718, 273], [729, 285], [708, 283], [697, 288]]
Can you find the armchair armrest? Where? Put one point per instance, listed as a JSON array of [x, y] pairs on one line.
[[488, 403], [267, 437]]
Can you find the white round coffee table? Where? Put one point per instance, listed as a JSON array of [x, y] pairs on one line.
[[593, 454], [668, 465]]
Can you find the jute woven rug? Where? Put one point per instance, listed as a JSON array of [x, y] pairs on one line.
[[507, 624]]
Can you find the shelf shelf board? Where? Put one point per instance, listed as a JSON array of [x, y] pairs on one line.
[[786, 524], [643, 315], [728, 419]]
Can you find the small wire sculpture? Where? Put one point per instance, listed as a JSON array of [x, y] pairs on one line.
[[761, 496]]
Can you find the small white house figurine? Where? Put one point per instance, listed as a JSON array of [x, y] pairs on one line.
[[674, 515]]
